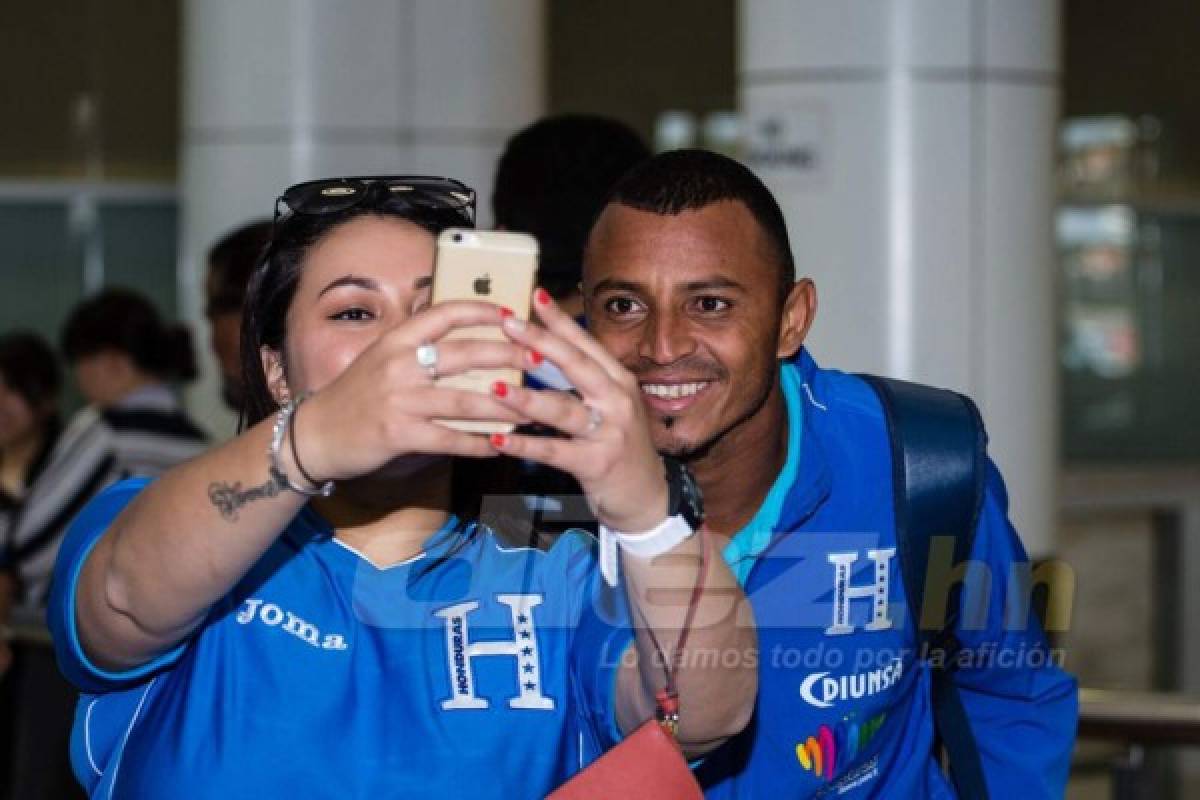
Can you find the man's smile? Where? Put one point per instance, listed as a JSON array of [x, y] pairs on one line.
[[672, 397]]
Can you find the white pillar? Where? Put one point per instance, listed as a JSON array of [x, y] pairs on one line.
[[280, 91], [910, 143]]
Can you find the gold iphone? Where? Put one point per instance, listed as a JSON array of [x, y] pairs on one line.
[[493, 267]]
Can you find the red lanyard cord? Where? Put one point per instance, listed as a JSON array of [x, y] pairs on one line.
[[668, 697]]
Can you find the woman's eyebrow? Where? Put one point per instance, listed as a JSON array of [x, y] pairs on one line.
[[350, 280]]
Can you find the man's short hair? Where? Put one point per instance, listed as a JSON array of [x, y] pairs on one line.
[[688, 180], [552, 181], [231, 262]]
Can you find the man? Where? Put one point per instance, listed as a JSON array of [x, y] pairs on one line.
[[231, 262], [689, 281]]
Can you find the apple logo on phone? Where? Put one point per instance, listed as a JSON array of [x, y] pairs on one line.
[[483, 284]]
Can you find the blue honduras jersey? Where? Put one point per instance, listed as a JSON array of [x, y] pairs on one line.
[[844, 706], [472, 672]]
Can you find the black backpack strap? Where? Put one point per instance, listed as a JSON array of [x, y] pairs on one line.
[[938, 468]]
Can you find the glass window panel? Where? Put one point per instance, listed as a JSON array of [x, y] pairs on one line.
[[41, 275], [140, 249], [1131, 335]]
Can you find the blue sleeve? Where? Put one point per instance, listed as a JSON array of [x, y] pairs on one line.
[[601, 636], [81, 537], [1022, 706]]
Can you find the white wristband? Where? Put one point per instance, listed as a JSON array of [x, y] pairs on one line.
[[669, 533]]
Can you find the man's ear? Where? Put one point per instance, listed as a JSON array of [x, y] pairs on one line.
[[272, 364], [799, 309]]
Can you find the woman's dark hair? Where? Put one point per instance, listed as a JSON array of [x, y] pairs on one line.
[[273, 285], [30, 368], [125, 321]]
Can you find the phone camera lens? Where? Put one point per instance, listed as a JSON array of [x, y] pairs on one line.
[[458, 237]]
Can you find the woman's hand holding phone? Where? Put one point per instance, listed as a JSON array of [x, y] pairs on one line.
[[607, 444], [386, 404]]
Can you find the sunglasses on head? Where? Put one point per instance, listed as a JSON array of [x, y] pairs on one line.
[[418, 192]]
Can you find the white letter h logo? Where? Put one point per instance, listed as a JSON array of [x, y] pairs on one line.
[[524, 648], [843, 592]]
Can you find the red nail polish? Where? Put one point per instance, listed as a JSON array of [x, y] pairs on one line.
[[535, 357], [505, 312], [500, 389], [498, 440], [542, 297]]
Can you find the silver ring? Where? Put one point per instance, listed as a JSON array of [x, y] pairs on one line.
[[595, 420], [427, 357]]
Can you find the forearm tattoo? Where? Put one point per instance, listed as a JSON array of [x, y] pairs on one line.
[[229, 497]]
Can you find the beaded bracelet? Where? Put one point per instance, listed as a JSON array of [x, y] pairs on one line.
[[282, 420]]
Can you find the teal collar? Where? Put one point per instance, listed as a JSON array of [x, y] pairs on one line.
[[747, 544]]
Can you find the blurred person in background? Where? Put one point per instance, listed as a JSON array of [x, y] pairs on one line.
[[47, 473], [231, 261], [124, 356], [551, 181]]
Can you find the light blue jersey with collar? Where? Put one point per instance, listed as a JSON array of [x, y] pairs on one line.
[[472, 670]]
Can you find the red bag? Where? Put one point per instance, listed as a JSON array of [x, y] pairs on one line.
[[648, 764]]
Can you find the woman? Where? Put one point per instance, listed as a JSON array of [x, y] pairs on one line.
[[240, 630], [46, 475], [124, 357], [29, 385]]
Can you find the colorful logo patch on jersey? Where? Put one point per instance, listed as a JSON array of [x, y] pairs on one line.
[[832, 747]]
